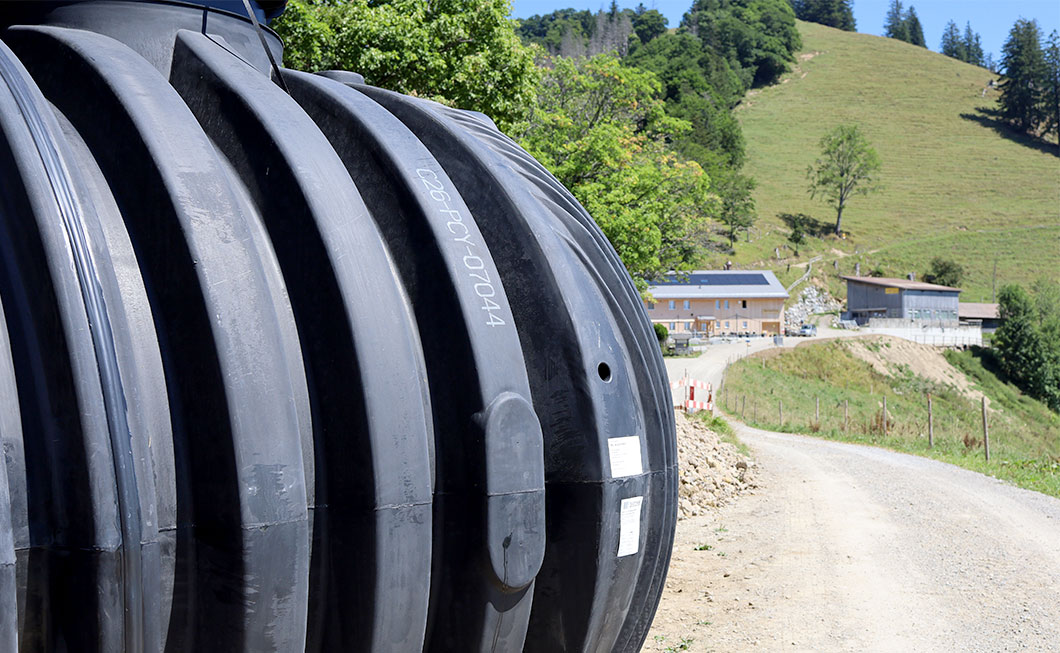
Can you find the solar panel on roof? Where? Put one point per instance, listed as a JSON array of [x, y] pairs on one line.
[[708, 279]]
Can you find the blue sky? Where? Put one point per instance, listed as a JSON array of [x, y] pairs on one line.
[[991, 18]]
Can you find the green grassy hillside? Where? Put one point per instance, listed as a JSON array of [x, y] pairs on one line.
[[953, 183]]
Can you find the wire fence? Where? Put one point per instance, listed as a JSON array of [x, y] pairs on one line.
[[971, 429]]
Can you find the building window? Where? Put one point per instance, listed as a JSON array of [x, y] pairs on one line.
[[688, 304], [671, 304], [688, 326], [717, 303], [717, 324], [726, 304], [743, 304], [651, 306], [745, 324], [673, 326], [726, 324]]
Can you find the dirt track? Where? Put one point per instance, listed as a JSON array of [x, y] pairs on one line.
[[851, 548]]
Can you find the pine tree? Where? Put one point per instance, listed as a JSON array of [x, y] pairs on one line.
[[913, 28], [843, 15], [989, 63], [834, 13], [1024, 71], [1051, 86], [895, 25], [952, 45], [973, 49]]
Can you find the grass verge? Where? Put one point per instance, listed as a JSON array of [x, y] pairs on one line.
[[1024, 434]]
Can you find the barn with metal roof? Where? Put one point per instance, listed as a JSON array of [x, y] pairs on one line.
[[900, 299]]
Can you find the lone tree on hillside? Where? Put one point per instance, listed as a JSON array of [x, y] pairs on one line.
[[848, 165], [737, 210]]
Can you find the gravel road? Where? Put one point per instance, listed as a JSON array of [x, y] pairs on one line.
[[852, 548]]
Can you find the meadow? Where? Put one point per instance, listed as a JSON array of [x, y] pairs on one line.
[[954, 183]]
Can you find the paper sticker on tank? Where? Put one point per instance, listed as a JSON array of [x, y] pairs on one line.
[[629, 527], [624, 454]]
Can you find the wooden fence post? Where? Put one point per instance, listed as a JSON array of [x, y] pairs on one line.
[[931, 424], [986, 432], [754, 409], [885, 415], [817, 410], [846, 415], [743, 407]]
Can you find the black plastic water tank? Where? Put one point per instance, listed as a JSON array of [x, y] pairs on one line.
[[324, 369]]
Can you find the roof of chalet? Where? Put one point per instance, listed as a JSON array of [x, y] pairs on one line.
[[977, 311], [904, 284], [719, 284]]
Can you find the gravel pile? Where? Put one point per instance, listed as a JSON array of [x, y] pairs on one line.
[[812, 300], [712, 472]]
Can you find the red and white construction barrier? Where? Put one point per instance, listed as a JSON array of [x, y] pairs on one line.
[[689, 402], [688, 382], [695, 406]]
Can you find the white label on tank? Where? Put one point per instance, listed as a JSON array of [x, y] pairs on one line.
[[629, 527], [625, 456]]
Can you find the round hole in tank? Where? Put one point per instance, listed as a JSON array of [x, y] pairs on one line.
[[605, 372]]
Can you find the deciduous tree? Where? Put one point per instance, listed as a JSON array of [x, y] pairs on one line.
[[757, 37], [944, 272], [701, 88], [848, 166], [1025, 356], [737, 210], [461, 52], [648, 23], [800, 225], [602, 129]]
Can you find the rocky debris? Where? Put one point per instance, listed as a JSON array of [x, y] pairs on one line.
[[712, 472], [812, 301]]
